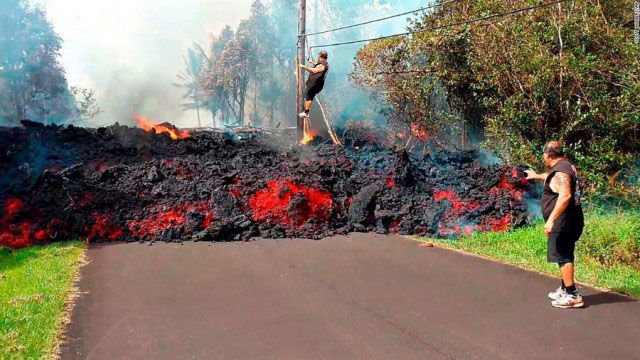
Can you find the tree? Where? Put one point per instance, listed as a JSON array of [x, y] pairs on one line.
[[263, 44], [192, 80], [33, 83], [565, 72]]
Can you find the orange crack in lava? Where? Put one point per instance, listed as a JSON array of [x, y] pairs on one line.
[[176, 216]]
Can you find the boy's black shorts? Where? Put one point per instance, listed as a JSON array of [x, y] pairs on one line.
[[561, 246], [311, 92]]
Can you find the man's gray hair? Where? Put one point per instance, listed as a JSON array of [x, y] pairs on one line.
[[555, 149]]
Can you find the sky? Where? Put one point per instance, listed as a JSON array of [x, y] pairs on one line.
[[129, 51]]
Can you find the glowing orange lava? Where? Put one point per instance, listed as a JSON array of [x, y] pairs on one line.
[[309, 134], [278, 201], [149, 124]]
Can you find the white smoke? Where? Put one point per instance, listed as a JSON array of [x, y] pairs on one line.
[[129, 51]]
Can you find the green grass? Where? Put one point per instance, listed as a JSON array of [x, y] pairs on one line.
[[607, 256], [34, 286]]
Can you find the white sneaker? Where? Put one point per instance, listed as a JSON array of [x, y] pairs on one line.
[[568, 301], [303, 115], [558, 294]]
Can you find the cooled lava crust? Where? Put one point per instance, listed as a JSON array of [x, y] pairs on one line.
[[125, 184]]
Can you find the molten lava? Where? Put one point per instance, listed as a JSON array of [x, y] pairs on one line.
[[458, 206], [287, 204], [103, 227], [148, 125], [174, 217]]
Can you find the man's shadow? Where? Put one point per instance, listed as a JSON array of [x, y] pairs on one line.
[[603, 298]]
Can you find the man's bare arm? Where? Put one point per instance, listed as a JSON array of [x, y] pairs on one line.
[[314, 70], [560, 184], [532, 175]]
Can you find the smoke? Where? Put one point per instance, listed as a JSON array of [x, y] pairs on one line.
[[131, 51], [347, 102]]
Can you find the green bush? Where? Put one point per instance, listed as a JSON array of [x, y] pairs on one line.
[[567, 72], [612, 239]]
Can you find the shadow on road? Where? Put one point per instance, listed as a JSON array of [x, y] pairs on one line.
[[604, 298]]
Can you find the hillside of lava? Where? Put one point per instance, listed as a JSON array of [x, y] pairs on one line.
[[126, 184]]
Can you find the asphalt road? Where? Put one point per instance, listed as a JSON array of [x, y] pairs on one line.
[[360, 297]]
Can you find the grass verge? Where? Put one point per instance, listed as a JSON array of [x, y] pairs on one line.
[[607, 256], [35, 284]]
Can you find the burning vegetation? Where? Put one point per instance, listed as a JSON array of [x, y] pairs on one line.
[[127, 184]]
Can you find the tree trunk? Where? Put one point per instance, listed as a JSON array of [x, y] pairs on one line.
[[198, 112], [255, 102]]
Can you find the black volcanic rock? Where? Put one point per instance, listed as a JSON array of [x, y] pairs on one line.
[[121, 183]]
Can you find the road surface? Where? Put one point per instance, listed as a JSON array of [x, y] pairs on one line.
[[364, 296]]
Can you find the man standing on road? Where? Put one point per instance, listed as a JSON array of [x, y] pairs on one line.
[[315, 83], [564, 220]]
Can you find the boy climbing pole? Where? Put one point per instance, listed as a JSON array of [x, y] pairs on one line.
[[316, 80]]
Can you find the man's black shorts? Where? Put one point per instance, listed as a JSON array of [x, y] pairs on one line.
[[311, 92], [561, 246]]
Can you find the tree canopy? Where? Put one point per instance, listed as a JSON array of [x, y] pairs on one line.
[[33, 83], [568, 72]]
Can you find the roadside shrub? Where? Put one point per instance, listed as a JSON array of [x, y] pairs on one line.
[[612, 239]]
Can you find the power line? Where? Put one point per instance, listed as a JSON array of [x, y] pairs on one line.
[[383, 19], [466, 22]]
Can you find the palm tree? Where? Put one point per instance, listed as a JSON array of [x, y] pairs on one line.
[[191, 79]]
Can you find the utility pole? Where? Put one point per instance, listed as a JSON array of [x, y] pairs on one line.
[[302, 30]]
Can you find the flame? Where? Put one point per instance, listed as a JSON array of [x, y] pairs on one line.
[[148, 124], [309, 134], [418, 132]]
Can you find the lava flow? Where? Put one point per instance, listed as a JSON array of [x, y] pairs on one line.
[[277, 203], [148, 125], [120, 183]]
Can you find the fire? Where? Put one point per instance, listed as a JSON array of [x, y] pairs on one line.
[[418, 132], [149, 124], [309, 134]]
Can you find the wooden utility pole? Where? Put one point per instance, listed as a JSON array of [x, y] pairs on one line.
[[302, 30]]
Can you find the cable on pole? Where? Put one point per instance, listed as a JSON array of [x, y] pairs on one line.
[[466, 22], [384, 18]]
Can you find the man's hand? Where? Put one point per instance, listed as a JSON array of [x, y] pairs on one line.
[[302, 65], [531, 175], [548, 227]]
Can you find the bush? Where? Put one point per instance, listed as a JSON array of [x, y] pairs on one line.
[[567, 72], [612, 239]]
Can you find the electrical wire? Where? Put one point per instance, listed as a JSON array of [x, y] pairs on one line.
[[466, 22], [383, 19]]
